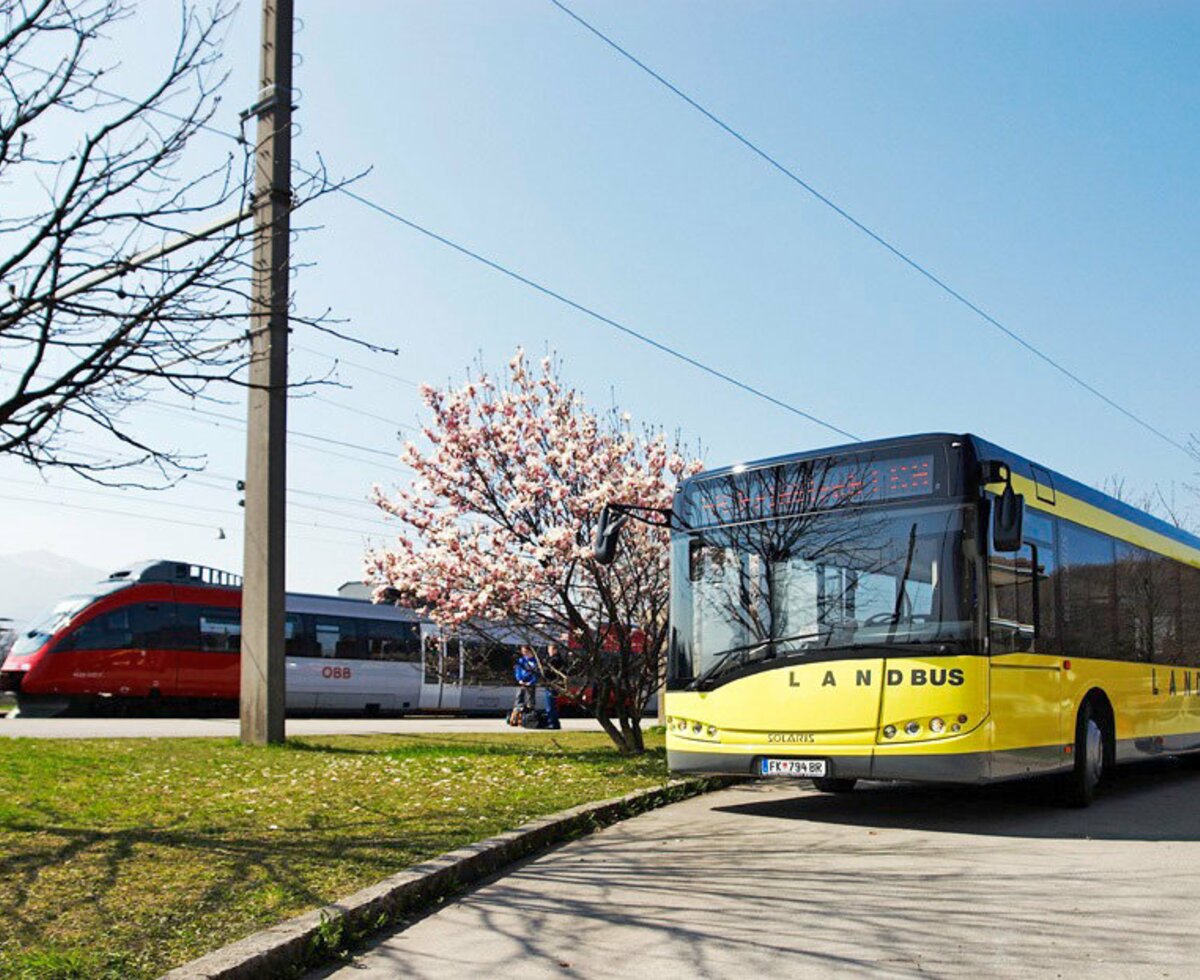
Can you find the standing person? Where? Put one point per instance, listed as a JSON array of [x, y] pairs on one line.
[[553, 662], [525, 670]]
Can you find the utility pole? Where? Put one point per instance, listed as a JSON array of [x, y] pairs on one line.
[[263, 661]]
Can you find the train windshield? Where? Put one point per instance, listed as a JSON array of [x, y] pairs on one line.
[[849, 580], [49, 623]]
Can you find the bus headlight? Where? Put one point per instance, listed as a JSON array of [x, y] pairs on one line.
[[889, 731], [912, 728], [712, 730], [937, 725], [697, 728]]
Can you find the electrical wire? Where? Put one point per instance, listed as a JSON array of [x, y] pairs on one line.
[[533, 284], [595, 315], [235, 514], [356, 364], [870, 233]]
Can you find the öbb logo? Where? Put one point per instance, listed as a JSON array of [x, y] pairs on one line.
[[336, 673]]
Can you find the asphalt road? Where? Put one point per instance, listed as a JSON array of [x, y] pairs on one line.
[[228, 727], [778, 881]]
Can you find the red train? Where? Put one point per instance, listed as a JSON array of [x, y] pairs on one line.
[[166, 631]]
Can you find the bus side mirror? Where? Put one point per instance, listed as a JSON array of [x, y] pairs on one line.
[[608, 531], [1008, 520]]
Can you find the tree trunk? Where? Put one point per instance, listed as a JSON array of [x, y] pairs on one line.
[[625, 745]]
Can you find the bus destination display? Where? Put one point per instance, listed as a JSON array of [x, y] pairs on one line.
[[806, 485]]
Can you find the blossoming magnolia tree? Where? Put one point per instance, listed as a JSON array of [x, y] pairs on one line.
[[497, 528]]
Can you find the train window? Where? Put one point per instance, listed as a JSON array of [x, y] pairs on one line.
[[328, 633], [297, 636], [384, 640], [109, 631], [184, 632], [221, 630], [489, 664], [337, 637]]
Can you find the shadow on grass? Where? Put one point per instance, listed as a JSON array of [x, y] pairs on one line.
[[436, 746], [228, 869]]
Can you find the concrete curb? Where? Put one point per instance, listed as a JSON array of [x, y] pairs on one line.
[[307, 940]]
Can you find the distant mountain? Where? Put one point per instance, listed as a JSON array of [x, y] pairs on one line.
[[31, 581]]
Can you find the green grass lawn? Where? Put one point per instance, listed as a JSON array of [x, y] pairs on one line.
[[124, 858]]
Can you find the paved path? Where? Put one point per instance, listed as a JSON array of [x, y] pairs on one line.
[[778, 881], [228, 727]]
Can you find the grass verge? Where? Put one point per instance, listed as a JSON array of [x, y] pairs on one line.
[[124, 858]]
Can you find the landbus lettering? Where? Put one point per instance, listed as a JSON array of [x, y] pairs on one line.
[[863, 678], [830, 680]]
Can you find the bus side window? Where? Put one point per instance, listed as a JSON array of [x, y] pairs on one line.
[[1089, 589], [1013, 600], [1189, 616], [1147, 606]]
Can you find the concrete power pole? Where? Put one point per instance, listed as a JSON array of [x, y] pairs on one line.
[[263, 661]]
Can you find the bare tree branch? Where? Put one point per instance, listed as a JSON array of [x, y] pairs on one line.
[[107, 291]]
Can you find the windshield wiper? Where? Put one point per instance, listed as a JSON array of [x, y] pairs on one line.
[[725, 656]]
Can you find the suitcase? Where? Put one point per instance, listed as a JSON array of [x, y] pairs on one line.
[[533, 719]]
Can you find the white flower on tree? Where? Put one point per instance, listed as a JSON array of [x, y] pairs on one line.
[[497, 527]]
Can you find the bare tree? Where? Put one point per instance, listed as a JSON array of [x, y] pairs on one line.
[[123, 268], [1163, 504]]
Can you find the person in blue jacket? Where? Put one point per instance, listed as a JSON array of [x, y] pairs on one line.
[[525, 670]]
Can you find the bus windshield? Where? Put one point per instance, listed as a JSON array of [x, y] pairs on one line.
[[853, 579]]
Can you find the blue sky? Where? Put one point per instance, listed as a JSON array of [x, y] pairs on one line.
[[1042, 158]]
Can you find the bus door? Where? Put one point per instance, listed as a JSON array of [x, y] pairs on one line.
[[1026, 684], [441, 672]]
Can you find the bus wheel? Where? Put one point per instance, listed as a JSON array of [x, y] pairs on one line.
[[827, 784], [1082, 782]]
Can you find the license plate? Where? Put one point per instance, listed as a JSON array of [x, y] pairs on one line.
[[793, 767]]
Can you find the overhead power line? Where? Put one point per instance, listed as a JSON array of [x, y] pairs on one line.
[[539, 287], [870, 233], [357, 364], [595, 315]]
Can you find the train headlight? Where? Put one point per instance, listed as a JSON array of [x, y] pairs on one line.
[[889, 731], [912, 728], [937, 725]]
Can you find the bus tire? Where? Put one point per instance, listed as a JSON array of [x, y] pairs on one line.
[[829, 784], [1080, 785]]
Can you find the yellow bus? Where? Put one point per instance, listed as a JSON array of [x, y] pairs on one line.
[[928, 608]]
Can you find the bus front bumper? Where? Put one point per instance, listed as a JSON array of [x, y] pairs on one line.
[[956, 767]]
